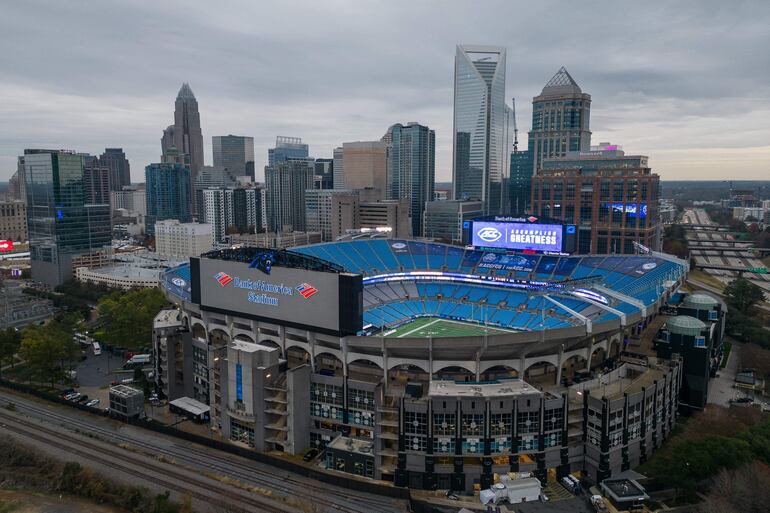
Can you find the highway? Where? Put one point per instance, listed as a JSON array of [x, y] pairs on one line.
[[730, 253], [144, 456]]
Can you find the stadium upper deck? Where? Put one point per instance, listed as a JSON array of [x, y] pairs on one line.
[[408, 280]]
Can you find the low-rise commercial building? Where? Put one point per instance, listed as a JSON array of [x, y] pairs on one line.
[[13, 220], [444, 219]]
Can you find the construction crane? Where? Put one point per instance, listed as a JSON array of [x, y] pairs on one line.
[[515, 127]]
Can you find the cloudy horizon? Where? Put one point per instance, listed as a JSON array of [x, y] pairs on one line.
[[689, 86]]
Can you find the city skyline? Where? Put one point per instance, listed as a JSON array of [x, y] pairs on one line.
[[694, 100]]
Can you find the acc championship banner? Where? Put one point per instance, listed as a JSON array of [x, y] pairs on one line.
[[517, 236]]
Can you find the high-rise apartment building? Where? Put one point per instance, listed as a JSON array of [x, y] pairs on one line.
[[560, 120], [612, 198], [185, 134], [481, 125], [234, 153], [331, 212], [339, 177], [115, 160], [444, 219], [411, 168], [96, 181], [211, 177], [13, 220], [169, 194], [324, 174], [287, 148], [233, 210], [62, 225], [175, 240], [286, 182], [364, 165]]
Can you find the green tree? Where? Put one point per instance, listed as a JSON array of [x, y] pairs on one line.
[[46, 349], [10, 341], [741, 294], [128, 317]]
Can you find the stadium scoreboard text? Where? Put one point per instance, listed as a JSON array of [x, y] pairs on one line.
[[520, 234], [315, 300]]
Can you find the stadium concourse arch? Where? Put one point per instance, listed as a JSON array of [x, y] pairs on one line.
[[525, 313]]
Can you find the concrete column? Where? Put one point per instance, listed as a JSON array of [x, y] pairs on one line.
[[282, 338], [311, 343], [384, 366], [560, 362], [344, 344], [522, 366]]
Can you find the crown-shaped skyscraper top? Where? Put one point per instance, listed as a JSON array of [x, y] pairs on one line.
[[185, 93], [562, 79]]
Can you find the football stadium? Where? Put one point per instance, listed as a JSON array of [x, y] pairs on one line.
[[426, 364]]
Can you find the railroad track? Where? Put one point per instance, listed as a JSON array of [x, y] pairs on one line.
[[162, 475], [329, 497]]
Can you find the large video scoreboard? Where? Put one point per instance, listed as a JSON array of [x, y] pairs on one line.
[[528, 235]]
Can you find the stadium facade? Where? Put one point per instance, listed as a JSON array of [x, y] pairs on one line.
[[425, 364]]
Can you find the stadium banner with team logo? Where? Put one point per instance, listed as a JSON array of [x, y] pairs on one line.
[[324, 301]]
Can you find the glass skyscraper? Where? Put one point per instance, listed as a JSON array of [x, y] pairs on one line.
[[481, 126], [169, 194], [286, 182], [521, 182], [287, 148], [63, 223], [235, 153], [115, 160], [560, 120], [411, 168]]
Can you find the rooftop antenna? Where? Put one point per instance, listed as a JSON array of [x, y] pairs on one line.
[[515, 128]]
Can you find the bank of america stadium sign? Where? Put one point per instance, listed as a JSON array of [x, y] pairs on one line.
[[263, 292]]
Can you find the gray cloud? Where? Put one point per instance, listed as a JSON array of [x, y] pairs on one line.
[[673, 81]]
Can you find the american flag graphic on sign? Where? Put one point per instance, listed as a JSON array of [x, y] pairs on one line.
[[223, 278], [306, 290]]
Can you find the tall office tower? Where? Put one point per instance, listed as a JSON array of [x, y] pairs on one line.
[[169, 194], [96, 182], [210, 177], [364, 165], [324, 174], [287, 148], [185, 134], [339, 177], [412, 168], [520, 182], [61, 224], [444, 219], [286, 182], [611, 197], [560, 120], [120, 170], [235, 153], [331, 212], [481, 125]]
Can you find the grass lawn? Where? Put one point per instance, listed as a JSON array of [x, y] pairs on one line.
[[425, 327]]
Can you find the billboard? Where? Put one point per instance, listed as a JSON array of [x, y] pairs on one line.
[[6, 245], [317, 300], [630, 209], [517, 236]]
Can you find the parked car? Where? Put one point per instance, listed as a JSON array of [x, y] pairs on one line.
[[73, 397], [310, 455], [83, 399], [93, 403]]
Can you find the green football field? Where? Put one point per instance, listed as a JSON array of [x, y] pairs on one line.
[[425, 327]]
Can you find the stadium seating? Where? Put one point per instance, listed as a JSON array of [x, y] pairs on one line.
[[389, 304]]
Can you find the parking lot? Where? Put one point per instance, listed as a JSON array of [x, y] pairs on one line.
[[95, 373]]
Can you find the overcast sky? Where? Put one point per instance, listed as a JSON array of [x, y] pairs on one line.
[[687, 83]]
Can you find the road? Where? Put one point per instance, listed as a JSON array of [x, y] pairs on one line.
[[731, 254], [58, 428], [721, 389]]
